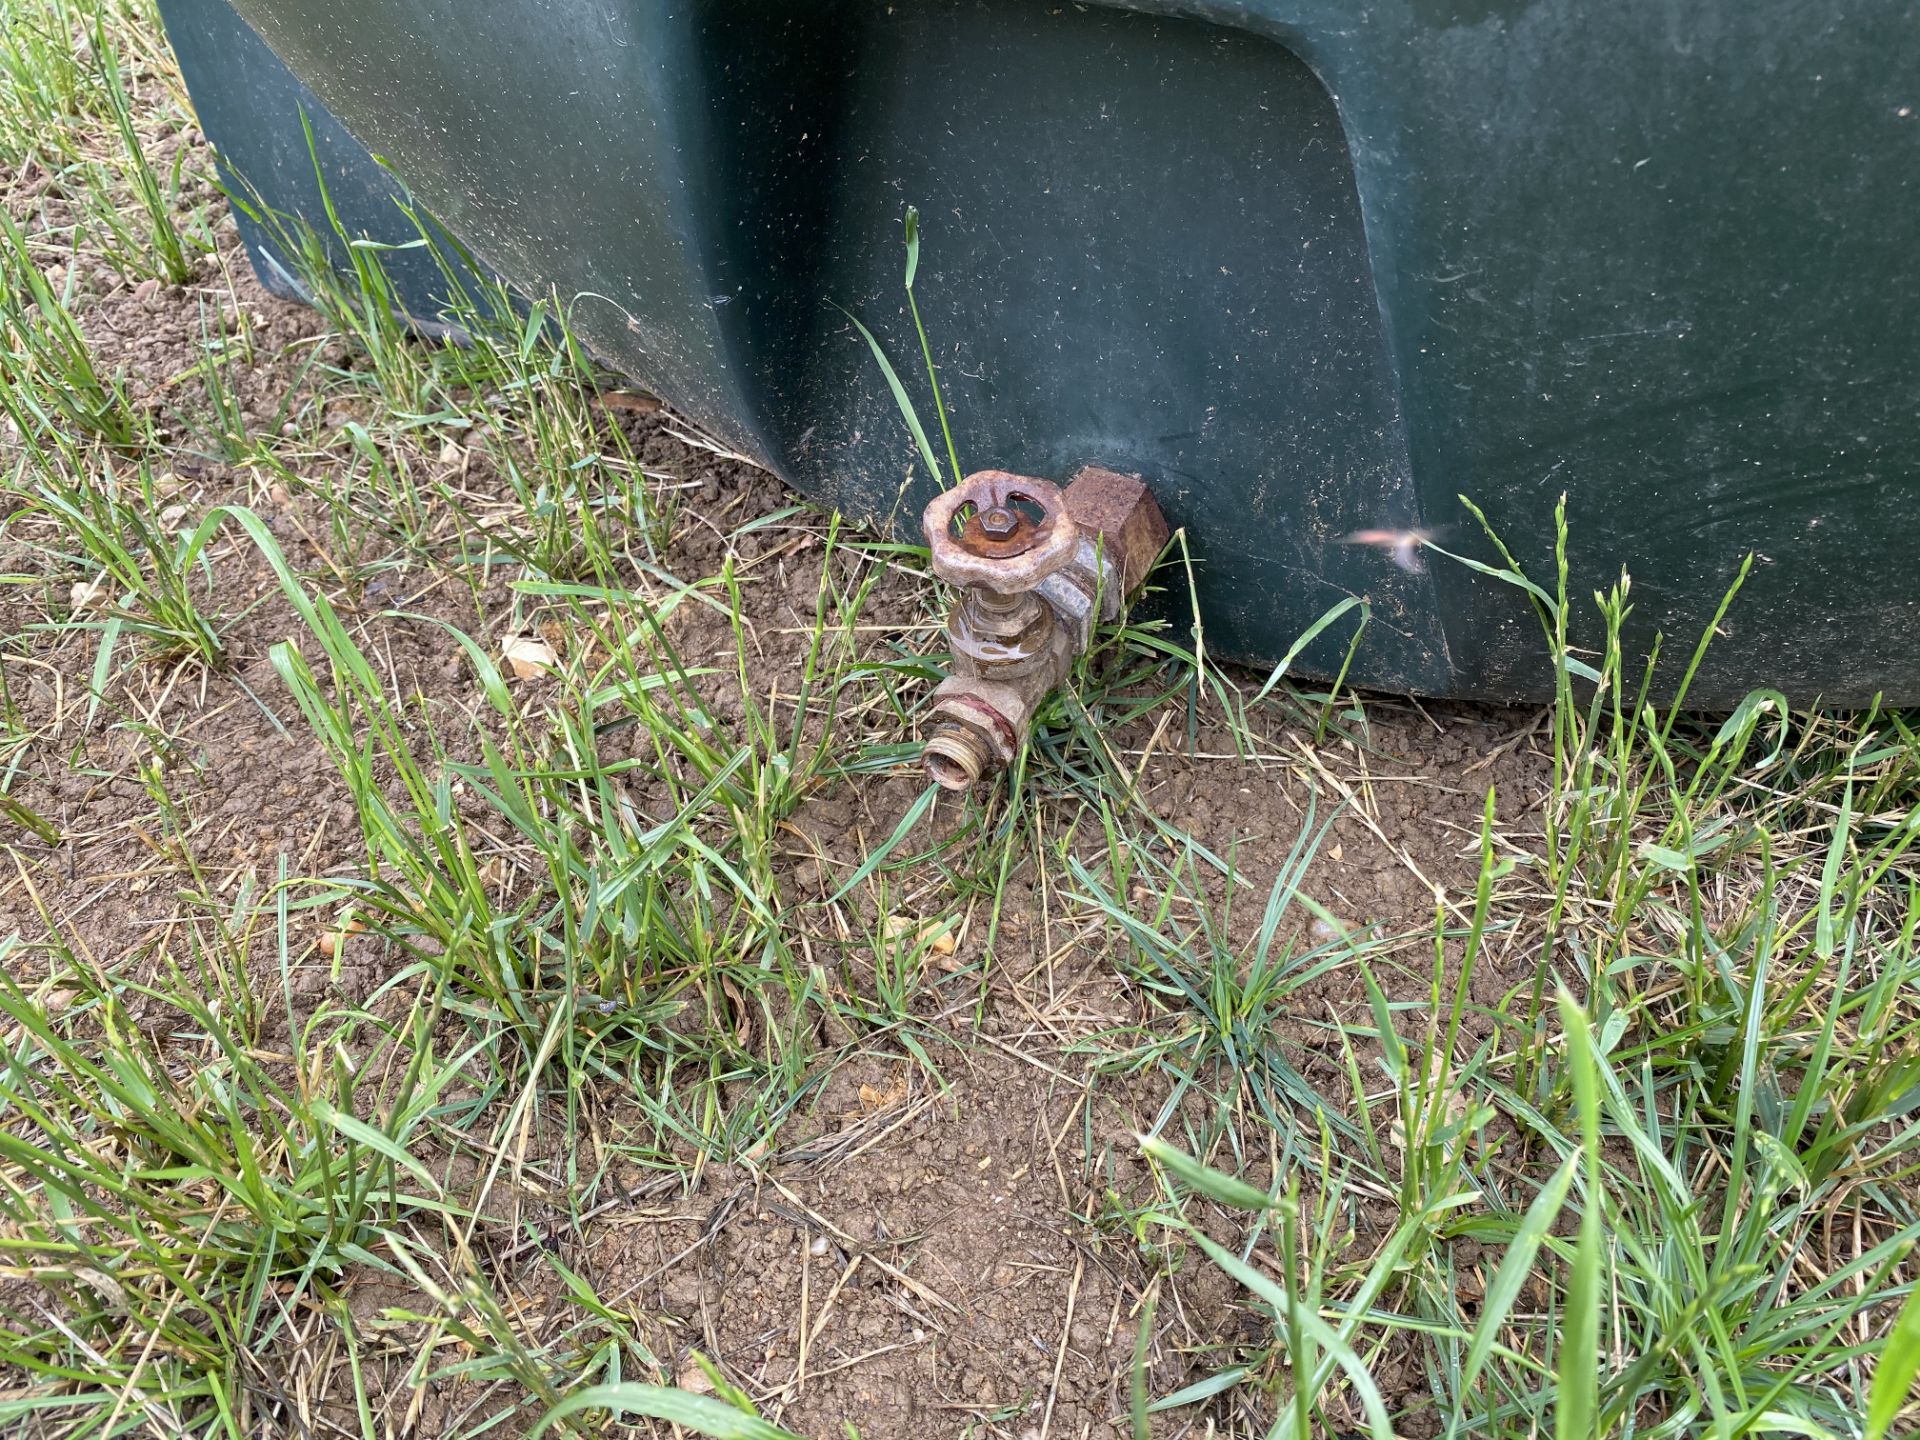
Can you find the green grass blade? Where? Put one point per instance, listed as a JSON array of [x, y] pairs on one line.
[[900, 398], [911, 224], [1824, 921], [1200, 1390], [1515, 1266], [376, 1140], [1316, 1330], [1306, 638], [1893, 1376], [1209, 1182], [701, 1414], [1137, 1382], [915, 812], [1576, 1411]]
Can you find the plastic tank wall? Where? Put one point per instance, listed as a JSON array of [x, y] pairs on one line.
[[1309, 267]]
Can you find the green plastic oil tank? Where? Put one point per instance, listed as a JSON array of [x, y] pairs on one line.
[[1314, 268]]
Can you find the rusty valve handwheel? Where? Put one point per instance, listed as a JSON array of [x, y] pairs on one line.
[[1000, 547]]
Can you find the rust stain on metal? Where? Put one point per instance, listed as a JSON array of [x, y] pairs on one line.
[[1019, 550], [1122, 511], [976, 708]]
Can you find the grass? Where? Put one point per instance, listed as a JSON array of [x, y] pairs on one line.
[[1611, 1135], [1694, 1124], [50, 386], [138, 573]]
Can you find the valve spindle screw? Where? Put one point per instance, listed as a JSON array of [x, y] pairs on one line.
[[999, 522]]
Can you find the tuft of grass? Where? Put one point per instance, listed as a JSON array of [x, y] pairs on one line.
[[50, 92], [159, 1205], [638, 912], [134, 576], [1655, 1167], [164, 244], [49, 383], [1219, 1004]]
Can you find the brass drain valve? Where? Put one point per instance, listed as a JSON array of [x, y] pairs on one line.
[[1037, 567]]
